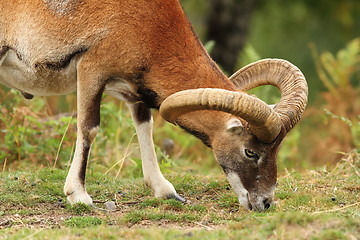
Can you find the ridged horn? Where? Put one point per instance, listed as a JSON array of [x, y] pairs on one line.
[[283, 75], [264, 122]]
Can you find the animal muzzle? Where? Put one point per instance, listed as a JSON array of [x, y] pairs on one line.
[[260, 202], [256, 200]]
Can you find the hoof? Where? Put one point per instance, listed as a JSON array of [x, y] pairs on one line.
[[176, 197], [82, 197]]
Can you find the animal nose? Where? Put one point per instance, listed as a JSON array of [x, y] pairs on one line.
[[267, 203], [261, 204]]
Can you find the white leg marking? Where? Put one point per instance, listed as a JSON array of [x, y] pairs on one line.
[[152, 175], [74, 186]]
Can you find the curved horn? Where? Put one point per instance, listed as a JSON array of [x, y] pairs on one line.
[[264, 122], [283, 75]]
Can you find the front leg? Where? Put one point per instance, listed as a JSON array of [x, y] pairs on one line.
[[152, 174], [88, 105]]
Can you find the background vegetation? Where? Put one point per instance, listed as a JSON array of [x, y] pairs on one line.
[[321, 37]]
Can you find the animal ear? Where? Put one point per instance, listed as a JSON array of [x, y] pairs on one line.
[[234, 126]]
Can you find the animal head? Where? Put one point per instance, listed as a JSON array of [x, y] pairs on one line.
[[247, 141]]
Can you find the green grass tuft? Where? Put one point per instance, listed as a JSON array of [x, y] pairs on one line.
[[82, 221], [80, 209]]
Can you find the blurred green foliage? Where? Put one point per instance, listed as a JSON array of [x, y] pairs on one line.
[[285, 29], [337, 72], [27, 132], [340, 75]]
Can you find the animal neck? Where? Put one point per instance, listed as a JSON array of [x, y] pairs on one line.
[[177, 59], [204, 125]]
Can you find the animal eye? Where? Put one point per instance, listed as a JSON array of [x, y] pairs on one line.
[[251, 154]]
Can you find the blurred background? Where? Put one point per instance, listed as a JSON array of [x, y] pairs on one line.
[[321, 37]]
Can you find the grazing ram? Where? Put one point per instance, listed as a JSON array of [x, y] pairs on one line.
[[146, 53]]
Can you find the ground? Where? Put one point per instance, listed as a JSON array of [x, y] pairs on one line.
[[316, 204]]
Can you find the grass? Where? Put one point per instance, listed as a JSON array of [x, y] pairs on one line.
[[82, 222], [321, 204]]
